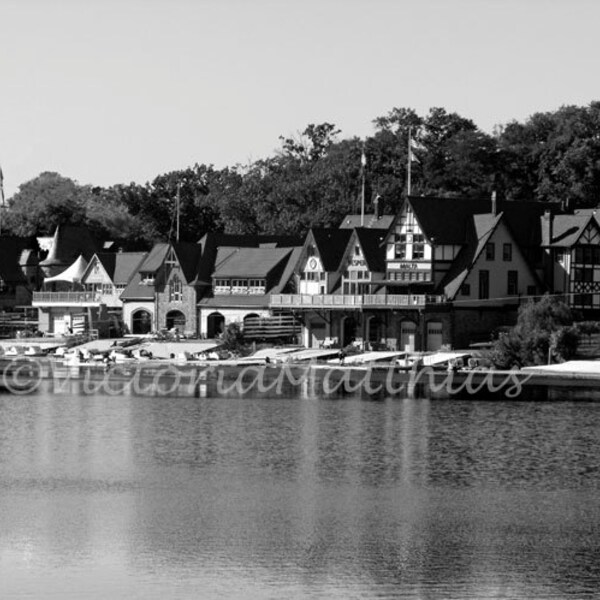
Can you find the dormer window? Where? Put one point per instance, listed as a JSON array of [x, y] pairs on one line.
[[222, 286], [148, 277]]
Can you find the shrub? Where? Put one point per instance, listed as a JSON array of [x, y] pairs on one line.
[[544, 330]]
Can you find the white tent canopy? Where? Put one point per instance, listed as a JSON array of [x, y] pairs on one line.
[[72, 274]]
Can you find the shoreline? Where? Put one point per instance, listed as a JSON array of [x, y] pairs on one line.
[[23, 375]]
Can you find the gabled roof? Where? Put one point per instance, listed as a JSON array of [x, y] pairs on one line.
[[248, 262], [155, 258], [188, 254], [330, 244], [68, 243], [446, 220], [211, 242], [371, 242], [288, 270], [120, 266], [479, 229], [563, 231], [136, 290], [369, 222], [13, 249]]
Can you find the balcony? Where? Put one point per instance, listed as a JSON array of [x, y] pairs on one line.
[[75, 299], [358, 302]]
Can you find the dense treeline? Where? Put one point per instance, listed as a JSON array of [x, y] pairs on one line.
[[316, 178]]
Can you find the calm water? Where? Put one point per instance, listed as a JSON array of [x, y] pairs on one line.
[[297, 497]]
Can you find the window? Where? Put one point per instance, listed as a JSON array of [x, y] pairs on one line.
[[418, 246], [465, 289], [583, 274], [147, 278], [512, 288], [256, 286], [587, 254], [583, 300], [507, 252], [175, 290], [484, 285], [400, 246], [356, 250], [490, 251]]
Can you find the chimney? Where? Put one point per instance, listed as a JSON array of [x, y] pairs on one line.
[[547, 224], [494, 203], [377, 207]]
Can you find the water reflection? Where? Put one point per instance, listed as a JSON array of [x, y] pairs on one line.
[[297, 497]]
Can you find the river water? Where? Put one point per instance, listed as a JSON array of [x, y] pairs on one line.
[[297, 496]]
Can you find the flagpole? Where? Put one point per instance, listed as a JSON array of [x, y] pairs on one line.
[[363, 163], [408, 168], [2, 204], [178, 208]]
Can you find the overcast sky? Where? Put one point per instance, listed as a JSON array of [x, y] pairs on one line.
[[114, 91]]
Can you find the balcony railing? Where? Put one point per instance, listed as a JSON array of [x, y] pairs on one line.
[[73, 298], [353, 301]]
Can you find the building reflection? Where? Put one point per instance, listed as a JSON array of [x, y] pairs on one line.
[[303, 491]]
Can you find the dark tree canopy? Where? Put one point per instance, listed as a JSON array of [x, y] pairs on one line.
[[314, 179]]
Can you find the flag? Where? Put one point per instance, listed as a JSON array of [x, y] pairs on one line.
[[414, 145]]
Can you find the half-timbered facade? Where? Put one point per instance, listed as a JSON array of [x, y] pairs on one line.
[[572, 248]]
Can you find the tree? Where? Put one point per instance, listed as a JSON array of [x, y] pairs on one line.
[[45, 202], [543, 329], [313, 143], [190, 188], [554, 156], [107, 217]]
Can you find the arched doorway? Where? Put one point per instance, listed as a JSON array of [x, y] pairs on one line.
[[215, 325], [175, 318], [375, 331], [141, 322], [408, 332], [349, 327]]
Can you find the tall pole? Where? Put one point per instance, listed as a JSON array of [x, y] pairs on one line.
[[363, 164], [2, 204], [178, 209], [409, 156]]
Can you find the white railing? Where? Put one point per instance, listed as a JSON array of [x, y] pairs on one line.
[[357, 301], [68, 297]]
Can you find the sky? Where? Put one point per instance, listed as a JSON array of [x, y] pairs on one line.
[[120, 91]]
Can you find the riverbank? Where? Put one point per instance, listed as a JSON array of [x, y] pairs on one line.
[[241, 378]]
